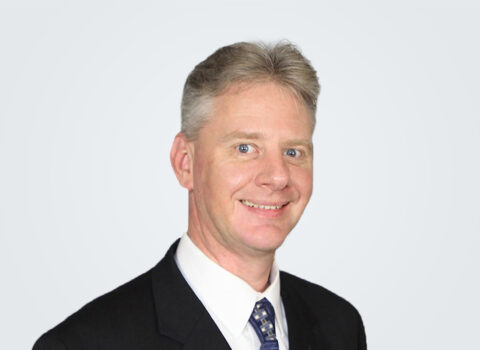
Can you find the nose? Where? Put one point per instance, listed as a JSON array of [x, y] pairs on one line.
[[273, 172]]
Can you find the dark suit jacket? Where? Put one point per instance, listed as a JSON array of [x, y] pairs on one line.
[[158, 310]]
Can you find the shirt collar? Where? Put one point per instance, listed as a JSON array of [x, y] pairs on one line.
[[225, 296]]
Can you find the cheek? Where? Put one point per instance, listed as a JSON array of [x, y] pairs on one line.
[[303, 182], [200, 175], [234, 176], [221, 181], [204, 179]]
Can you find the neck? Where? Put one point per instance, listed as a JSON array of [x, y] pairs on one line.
[[253, 268]]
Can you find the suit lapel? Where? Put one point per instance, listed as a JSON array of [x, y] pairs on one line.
[[180, 314], [206, 335], [304, 332], [182, 317]]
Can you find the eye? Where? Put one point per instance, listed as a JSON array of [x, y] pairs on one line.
[[245, 148], [292, 152]]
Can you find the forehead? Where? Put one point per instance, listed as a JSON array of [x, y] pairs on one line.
[[258, 107]]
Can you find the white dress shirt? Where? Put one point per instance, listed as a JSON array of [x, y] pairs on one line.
[[228, 299]]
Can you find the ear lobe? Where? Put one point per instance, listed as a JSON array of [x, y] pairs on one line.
[[181, 160]]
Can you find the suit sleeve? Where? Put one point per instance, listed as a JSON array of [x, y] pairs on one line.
[[49, 342]]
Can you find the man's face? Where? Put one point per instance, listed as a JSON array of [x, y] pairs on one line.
[[252, 168]]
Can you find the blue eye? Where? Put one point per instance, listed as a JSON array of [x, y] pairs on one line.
[[291, 152], [244, 148]]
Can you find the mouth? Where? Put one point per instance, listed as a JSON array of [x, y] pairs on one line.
[[264, 206]]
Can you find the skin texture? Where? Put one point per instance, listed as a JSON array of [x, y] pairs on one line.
[[256, 146]]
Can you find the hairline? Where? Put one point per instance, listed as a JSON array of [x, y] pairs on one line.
[[237, 86]]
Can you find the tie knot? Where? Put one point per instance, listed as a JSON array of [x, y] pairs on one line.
[[263, 322]]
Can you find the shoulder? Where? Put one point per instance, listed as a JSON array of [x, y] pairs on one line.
[[335, 320], [128, 309], [314, 294], [318, 300]]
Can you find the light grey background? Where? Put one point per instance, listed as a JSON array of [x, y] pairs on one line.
[[90, 95]]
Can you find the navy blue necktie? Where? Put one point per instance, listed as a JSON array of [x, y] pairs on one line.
[[263, 322]]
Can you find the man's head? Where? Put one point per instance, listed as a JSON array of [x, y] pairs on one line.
[[245, 152], [241, 63]]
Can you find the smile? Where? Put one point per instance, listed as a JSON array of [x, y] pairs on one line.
[[262, 206]]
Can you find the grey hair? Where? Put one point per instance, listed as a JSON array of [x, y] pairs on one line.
[[247, 62]]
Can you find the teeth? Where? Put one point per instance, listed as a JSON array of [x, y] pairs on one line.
[[261, 206]]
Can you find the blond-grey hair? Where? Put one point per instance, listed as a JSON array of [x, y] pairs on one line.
[[246, 62]]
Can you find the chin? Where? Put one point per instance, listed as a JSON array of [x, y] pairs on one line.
[[265, 239]]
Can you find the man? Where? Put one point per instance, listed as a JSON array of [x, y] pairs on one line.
[[245, 155]]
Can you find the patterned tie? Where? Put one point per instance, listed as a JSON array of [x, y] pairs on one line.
[[263, 321]]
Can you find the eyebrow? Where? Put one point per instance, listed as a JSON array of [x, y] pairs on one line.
[[234, 135], [241, 135], [305, 143]]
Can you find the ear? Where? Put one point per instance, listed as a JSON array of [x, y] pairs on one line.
[[181, 158]]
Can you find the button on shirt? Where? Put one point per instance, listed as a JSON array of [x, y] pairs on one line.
[[228, 299]]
